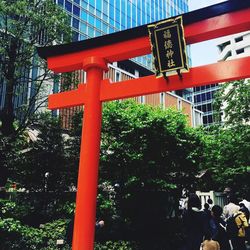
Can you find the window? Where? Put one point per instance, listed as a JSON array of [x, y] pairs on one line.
[[61, 2], [208, 95], [84, 15], [76, 10], [209, 107], [99, 5], [210, 118], [83, 28], [68, 6], [91, 20], [240, 51], [98, 23], [238, 39], [117, 76], [75, 36], [204, 119], [75, 23], [91, 32]]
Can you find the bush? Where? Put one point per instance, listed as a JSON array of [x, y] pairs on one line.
[[14, 235], [116, 245]]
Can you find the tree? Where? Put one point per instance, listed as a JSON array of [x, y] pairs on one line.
[[25, 24], [148, 155], [233, 100], [41, 165], [227, 157]]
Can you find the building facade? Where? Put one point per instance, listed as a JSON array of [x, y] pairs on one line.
[[229, 47], [233, 47], [92, 18]]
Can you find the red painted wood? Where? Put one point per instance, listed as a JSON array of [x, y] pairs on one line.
[[68, 99], [203, 75], [197, 32], [85, 215]]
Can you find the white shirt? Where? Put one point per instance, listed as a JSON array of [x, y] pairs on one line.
[[230, 209]]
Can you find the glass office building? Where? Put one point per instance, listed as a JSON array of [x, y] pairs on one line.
[[91, 18]]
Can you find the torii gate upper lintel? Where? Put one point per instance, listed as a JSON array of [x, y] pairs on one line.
[[92, 55]]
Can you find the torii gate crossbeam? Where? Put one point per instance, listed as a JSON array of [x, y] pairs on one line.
[[93, 55]]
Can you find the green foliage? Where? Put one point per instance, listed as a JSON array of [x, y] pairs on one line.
[[233, 100], [116, 245], [25, 24], [45, 155], [14, 235], [143, 145], [227, 157]]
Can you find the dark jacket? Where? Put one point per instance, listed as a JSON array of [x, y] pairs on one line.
[[218, 233], [196, 225]]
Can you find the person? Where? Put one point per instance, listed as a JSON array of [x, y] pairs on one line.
[[196, 224], [246, 203], [207, 210], [243, 207], [231, 208], [238, 240], [218, 228], [245, 210]]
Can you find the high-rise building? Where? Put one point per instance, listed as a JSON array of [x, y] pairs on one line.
[[92, 18], [232, 47], [229, 47], [203, 101]]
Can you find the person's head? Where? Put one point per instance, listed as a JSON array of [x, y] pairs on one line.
[[194, 201], [209, 201], [206, 206], [216, 211], [101, 223], [232, 199]]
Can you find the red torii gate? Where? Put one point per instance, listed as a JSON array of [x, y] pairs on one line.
[[93, 55]]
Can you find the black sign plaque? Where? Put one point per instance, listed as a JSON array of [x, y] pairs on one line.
[[168, 46]]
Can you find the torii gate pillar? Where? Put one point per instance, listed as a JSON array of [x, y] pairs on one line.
[[84, 227]]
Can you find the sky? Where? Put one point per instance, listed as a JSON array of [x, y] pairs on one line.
[[205, 52]]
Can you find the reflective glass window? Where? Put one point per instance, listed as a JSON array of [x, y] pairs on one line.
[[61, 2], [76, 10], [98, 33], [105, 28], [198, 98], [77, 1], [117, 15], [92, 2], [68, 6], [204, 119], [99, 5], [84, 15], [111, 12], [75, 23], [210, 118], [98, 23], [91, 32], [84, 4], [83, 27], [91, 20], [75, 36]]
